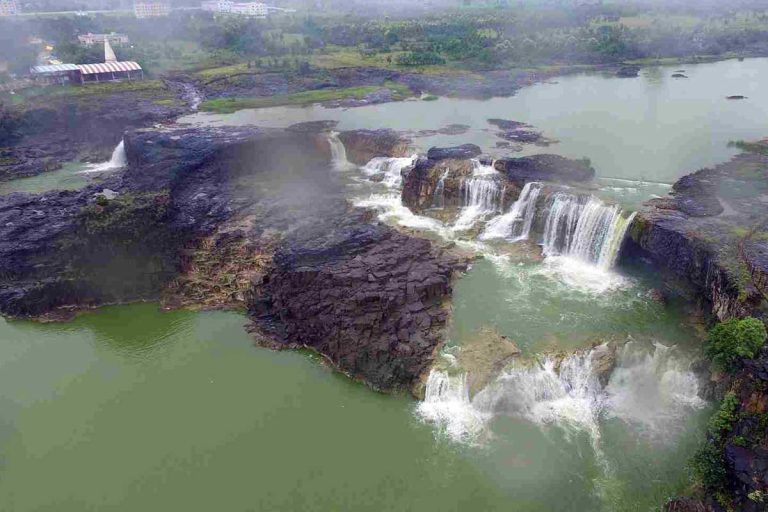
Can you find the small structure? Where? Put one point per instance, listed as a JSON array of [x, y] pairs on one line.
[[252, 9], [113, 38], [110, 71], [151, 9], [9, 8], [59, 74]]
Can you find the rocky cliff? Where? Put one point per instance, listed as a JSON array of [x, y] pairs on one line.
[[243, 218], [712, 234]]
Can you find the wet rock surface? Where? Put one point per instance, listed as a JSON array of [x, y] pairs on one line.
[[364, 145], [87, 128], [374, 301], [456, 152], [711, 233], [553, 168], [236, 217]]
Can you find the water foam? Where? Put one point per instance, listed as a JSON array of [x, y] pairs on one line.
[[516, 224], [118, 160]]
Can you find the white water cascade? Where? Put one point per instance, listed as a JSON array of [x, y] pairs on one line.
[[390, 168], [516, 224], [651, 390], [339, 153], [438, 198], [587, 230], [118, 160], [481, 195]]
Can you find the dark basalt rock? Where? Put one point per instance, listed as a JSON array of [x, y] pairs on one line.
[[363, 145], [313, 126], [710, 233], [628, 72], [369, 298], [457, 152], [506, 124], [679, 75], [736, 97], [552, 168]]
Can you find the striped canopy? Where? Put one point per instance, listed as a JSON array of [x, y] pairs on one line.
[[108, 67]]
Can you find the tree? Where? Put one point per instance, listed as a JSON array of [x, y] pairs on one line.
[[731, 341]]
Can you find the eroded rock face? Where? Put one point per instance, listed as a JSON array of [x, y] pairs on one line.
[[373, 300], [364, 145], [711, 233], [552, 168], [420, 186], [89, 127], [455, 153]]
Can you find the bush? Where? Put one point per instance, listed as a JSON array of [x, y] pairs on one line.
[[722, 420], [734, 340], [708, 466], [420, 59]]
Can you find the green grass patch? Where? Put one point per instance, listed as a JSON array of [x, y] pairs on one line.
[[229, 105], [430, 97], [760, 148], [78, 91]]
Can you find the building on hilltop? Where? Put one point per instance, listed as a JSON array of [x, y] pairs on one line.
[[9, 8], [113, 38], [151, 9], [253, 9]]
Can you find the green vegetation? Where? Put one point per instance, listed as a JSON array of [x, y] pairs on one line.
[[708, 466], [722, 421], [731, 341], [128, 217], [761, 148], [430, 97], [228, 105]]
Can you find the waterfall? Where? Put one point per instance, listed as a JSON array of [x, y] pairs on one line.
[[390, 168], [590, 230], [438, 198], [516, 224], [339, 153], [118, 160], [651, 389], [481, 195]]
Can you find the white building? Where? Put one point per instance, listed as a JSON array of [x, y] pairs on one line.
[[92, 39], [9, 8], [254, 9], [151, 9]]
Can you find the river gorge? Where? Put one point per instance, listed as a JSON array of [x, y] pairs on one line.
[[520, 289]]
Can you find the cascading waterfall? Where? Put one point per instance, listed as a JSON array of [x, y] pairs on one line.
[[481, 194], [590, 230], [339, 153], [390, 168], [651, 389], [118, 160], [438, 198], [516, 224]]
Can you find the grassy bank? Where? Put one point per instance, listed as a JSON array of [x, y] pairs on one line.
[[38, 94], [229, 105]]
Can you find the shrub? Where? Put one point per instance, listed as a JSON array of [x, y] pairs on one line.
[[734, 340], [723, 419], [708, 466], [420, 59]]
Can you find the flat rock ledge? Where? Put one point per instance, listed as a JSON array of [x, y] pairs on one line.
[[711, 235]]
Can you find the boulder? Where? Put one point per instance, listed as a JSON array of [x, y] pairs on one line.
[[552, 168], [629, 71], [457, 152], [364, 145]]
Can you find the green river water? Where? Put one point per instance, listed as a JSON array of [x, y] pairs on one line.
[[130, 408]]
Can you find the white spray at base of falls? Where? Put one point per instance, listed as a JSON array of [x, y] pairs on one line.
[[652, 390], [391, 169], [118, 160], [516, 224], [481, 195], [339, 153]]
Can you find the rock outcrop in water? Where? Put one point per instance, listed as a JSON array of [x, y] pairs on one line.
[[712, 234], [364, 145], [88, 126], [235, 217], [446, 175], [370, 299]]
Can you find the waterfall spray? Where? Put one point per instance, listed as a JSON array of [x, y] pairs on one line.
[[118, 160]]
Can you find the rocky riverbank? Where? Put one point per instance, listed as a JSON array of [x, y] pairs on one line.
[[83, 124], [236, 218], [711, 235]]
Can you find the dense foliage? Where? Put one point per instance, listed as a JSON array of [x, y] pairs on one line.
[[731, 341], [708, 463]]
